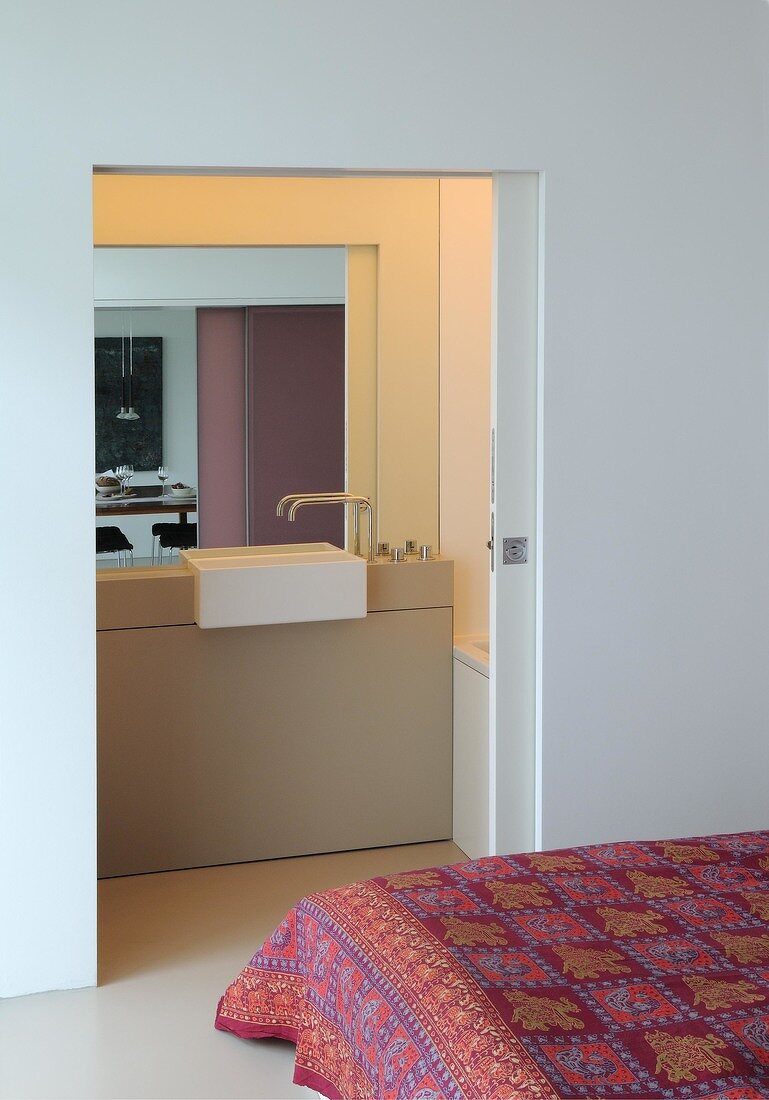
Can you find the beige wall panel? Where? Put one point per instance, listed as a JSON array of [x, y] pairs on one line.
[[228, 745], [399, 216]]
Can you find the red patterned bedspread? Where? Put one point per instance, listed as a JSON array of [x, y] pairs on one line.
[[618, 970]]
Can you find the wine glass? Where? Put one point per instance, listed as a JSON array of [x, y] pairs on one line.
[[129, 473], [121, 475], [163, 478]]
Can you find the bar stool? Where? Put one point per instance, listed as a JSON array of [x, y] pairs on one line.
[[159, 529], [111, 540], [184, 536]]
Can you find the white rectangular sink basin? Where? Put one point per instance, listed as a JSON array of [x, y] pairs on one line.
[[292, 583]]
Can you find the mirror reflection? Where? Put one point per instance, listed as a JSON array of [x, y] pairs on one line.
[[221, 387], [146, 433]]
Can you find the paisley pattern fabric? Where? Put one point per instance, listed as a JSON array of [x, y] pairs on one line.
[[617, 970]]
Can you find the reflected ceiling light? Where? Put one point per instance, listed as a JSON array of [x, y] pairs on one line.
[[127, 411]]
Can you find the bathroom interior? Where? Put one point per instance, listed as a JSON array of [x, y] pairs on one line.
[[281, 677]]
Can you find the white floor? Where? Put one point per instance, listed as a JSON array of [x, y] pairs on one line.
[[168, 946]]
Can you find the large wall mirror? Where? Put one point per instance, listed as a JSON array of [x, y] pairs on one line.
[[271, 277], [223, 382]]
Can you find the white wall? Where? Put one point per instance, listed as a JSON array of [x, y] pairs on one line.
[[279, 276], [178, 328], [646, 119]]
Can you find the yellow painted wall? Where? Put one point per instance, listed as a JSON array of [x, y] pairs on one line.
[[397, 221], [465, 417]]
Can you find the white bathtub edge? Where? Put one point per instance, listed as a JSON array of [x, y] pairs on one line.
[[467, 650]]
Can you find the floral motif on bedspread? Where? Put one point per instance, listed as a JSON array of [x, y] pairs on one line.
[[618, 970]]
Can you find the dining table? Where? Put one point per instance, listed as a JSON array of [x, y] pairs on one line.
[[146, 500]]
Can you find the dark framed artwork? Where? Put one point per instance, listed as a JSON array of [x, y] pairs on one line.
[[138, 442]]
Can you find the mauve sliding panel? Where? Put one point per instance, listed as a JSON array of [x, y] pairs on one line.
[[221, 427], [296, 419]]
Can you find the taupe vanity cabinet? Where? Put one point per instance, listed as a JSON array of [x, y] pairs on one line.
[[219, 746]]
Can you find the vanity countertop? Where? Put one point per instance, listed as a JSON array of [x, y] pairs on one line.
[[410, 584], [164, 595]]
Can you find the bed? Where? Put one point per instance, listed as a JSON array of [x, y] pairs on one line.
[[616, 970]]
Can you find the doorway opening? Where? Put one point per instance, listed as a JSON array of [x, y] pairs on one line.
[[453, 324]]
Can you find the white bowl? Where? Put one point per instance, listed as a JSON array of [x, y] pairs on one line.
[[187, 491], [107, 490]]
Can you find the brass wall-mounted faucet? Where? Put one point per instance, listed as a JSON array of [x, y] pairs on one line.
[[294, 501]]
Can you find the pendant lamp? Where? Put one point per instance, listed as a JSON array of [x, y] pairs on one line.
[[127, 410]]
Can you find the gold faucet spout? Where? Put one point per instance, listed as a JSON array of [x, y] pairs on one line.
[[295, 501]]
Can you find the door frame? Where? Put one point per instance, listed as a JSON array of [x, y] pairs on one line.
[[515, 620], [515, 613]]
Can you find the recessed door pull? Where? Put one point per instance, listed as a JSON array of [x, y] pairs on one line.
[[515, 551]]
